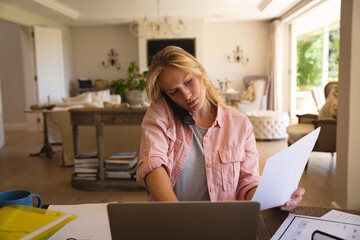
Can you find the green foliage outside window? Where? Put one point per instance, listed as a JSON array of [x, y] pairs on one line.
[[309, 61], [334, 44]]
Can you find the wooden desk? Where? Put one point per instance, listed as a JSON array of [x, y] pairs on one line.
[[271, 219], [100, 117]]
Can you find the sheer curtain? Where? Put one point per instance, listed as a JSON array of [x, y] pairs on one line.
[[275, 65]]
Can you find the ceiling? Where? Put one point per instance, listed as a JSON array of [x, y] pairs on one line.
[[111, 12]]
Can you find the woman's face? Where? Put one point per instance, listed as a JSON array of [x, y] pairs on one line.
[[183, 88]]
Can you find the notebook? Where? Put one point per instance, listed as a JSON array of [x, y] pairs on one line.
[[184, 220]]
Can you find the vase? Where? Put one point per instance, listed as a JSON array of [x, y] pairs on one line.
[[134, 98]]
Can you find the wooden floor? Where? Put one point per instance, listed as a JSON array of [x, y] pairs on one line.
[[47, 178]]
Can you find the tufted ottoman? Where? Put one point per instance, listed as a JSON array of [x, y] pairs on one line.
[[269, 125]]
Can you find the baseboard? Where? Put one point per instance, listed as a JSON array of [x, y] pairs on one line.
[[15, 126]]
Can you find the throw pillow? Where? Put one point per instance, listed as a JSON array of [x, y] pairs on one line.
[[103, 95], [97, 100], [100, 96], [249, 94], [93, 105], [329, 110]]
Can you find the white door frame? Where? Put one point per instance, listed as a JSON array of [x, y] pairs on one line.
[[33, 121]]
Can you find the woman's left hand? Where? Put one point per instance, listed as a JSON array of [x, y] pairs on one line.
[[296, 198]]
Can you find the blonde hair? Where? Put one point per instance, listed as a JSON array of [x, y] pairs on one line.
[[173, 56]]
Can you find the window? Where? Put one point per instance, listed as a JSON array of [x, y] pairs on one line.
[[309, 70], [309, 60], [334, 46], [316, 36]]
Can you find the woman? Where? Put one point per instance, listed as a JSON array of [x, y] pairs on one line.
[[193, 146]]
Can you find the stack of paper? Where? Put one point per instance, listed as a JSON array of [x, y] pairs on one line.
[[92, 222], [339, 225], [31, 223]]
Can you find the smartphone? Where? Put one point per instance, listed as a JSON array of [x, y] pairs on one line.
[[181, 113], [319, 235]]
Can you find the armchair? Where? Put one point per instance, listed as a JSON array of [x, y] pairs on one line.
[[308, 122], [320, 95], [326, 141], [327, 137], [260, 90]]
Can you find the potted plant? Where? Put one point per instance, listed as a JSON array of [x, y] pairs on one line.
[[133, 86]]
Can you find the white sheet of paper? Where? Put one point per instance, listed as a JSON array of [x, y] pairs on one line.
[[282, 172], [92, 222]]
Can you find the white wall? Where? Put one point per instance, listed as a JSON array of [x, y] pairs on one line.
[[220, 39], [86, 47], [214, 41], [91, 46], [11, 70], [194, 29], [348, 130], [26, 18]]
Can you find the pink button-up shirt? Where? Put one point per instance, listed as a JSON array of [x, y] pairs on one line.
[[231, 157]]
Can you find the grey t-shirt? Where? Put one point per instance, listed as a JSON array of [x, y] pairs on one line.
[[192, 183]]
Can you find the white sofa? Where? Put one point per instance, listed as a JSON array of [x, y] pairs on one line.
[[90, 99]]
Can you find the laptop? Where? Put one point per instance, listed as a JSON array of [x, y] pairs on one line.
[[184, 220]]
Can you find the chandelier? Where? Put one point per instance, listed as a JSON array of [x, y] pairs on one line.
[[148, 28]]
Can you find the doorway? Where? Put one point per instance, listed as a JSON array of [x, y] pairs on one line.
[[12, 76], [17, 70]]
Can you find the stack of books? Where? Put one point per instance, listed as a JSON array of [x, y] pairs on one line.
[[86, 166], [121, 165]]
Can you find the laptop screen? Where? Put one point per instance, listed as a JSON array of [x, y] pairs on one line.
[[184, 220]]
